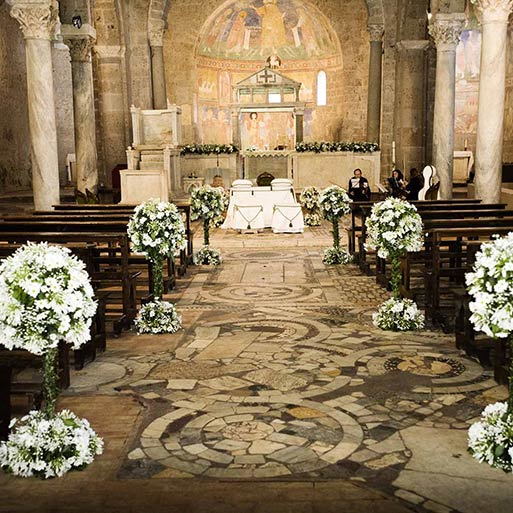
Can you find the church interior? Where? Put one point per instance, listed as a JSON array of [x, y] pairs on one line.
[[375, 375]]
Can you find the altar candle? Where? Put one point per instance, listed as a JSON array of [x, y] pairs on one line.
[[393, 152], [466, 144]]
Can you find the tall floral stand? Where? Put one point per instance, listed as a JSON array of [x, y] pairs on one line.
[[490, 285], [334, 203], [47, 298], [393, 229], [208, 204], [156, 230]]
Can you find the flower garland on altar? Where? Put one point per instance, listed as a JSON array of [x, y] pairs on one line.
[[156, 230], [490, 285], [208, 203], [310, 201], [46, 297], [393, 229], [334, 203], [324, 147], [208, 149]]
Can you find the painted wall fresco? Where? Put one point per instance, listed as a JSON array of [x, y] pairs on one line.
[[267, 131], [238, 41], [255, 29], [467, 86]]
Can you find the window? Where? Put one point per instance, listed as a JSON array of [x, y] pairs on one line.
[[321, 88], [274, 98]]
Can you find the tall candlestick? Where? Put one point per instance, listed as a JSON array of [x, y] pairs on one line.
[[393, 153]]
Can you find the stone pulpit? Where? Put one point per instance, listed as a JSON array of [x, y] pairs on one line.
[[154, 157]]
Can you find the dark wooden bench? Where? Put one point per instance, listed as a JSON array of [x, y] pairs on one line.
[[122, 279], [359, 211], [11, 362]]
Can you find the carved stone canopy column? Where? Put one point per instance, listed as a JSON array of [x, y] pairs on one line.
[[493, 15], [445, 29], [376, 31], [80, 42], [38, 20], [156, 29]]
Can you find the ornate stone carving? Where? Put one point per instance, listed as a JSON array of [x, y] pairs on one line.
[[446, 31], [37, 21], [376, 31], [490, 11], [80, 48], [156, 29]]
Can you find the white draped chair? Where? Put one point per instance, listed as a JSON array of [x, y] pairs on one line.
[[242, 184], [288, 219], [248, 217], [281, 184]]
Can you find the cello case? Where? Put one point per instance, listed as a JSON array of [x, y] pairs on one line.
[[429, 173]]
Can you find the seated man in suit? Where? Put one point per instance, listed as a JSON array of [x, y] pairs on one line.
[[359, 189]]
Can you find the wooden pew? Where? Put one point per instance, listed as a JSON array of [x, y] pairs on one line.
[[123, 278], [12, 362], [438, 219], [357, 212], [98, 332], [183, 206]]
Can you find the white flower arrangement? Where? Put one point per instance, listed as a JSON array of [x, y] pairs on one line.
[[313, 219], [398, 315], [207, 256], [333, 256], [49, 447], [310, 201], [45, 297], [208, 203], [491, 439], [334, 202], [491, 287], [156, 230], [394, 228], [158, 317]]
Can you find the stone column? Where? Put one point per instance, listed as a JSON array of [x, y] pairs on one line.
[[158, 75], [445, 30], [374, 97], [409, 118], [494, 16], [38, 21], [80, 42]]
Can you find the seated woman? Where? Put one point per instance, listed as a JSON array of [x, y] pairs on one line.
[[359, 189], [396, 184], [415, 185]]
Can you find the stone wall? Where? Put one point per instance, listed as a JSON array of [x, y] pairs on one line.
[[14, 128], [507, 151]]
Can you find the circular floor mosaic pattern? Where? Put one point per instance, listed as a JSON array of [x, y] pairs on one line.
[[260, 440]]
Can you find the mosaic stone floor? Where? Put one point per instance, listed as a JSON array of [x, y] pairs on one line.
[[279, 375]]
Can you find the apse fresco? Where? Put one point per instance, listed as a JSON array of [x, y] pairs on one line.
[[467, 82], [255, 29], [215, 125], [267, 131]]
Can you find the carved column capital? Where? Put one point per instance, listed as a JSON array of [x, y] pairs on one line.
[[80, 48], [156, 29], [376, 31], [37, 20], [446, 31], [492, 11]]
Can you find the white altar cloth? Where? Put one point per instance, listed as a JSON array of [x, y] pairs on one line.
[[263, 196]]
